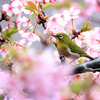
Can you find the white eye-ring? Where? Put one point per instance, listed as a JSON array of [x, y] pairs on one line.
[[60, 36]]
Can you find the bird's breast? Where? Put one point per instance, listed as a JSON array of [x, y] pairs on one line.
[[67, 53], [64, 52]]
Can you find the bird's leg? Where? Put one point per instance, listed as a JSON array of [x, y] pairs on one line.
[[62, 58], [71, 61]]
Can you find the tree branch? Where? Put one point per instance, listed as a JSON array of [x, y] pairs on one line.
[[91, 66]]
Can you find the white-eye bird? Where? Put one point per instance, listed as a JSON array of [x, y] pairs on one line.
[[68, 48]]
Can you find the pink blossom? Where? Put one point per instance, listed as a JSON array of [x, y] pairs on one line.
[[26, 11], [50, 81], [22, 43], [52, 1], [66, 15], [92, 41], [78, 41], [47, 1], [87, 12], [91, 1], [94, 51], [26, 21], [93, 4], [30, 36], [11, 9], [18, 22], [47, 80], [40, 75], [10, 87], [71, 14], [55, 24], [92, 37], [56, 55], [4, 52], [19, 43]]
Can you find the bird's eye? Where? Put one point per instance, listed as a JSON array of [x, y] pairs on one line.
[[60, 36]]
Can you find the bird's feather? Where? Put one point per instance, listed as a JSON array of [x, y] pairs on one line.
[[75, 48], [64, 44]]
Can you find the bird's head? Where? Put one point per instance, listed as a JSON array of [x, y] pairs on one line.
[[62, 38]]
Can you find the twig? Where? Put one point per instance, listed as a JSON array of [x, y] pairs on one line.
[[91, 66]]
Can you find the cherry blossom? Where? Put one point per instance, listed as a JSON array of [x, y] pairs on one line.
[[94, 51], [93, 4], [11, 9], [45, 77], [4, 52], [30, 36], [55, 24], [26, 21], [78, 41], [39, 74], [52, 1], [19, 45], [71, 14], [92, 37], [18, 22]]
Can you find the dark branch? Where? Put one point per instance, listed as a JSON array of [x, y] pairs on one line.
[[91, 66], [76, 35]]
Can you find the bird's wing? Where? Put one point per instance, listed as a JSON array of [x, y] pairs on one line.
[[76, 49]]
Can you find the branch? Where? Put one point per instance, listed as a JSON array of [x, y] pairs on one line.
[[91, 66]]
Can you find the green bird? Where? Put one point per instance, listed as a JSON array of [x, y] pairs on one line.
[[68, 48]]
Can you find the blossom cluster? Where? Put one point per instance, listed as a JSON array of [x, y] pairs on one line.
[[31, 74], [58, 22]]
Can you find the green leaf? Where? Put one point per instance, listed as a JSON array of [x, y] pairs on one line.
[[81, 61], [30, 3], [10, 39], [4, 58], [82, 3], [4, 33], [28, 7], [89, 28], [10, 31], [32, 16], [85, 26], [39, 4], [47, 5], [77, 87]]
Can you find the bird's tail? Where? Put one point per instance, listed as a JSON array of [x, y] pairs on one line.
[[89, 57]]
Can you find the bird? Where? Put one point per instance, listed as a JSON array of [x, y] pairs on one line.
[[68, 48]]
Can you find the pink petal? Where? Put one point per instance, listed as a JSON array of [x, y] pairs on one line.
[[74, 17], [9, 13], [36, 38], [76, 12], [23, 19], [29, 44], [15, 3], [21, 42], [66, 15], [15, 10], [52, 1], [71, 10], [47, 1], [5, 7]]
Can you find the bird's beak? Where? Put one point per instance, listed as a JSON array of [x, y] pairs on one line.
[[54, 35]]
